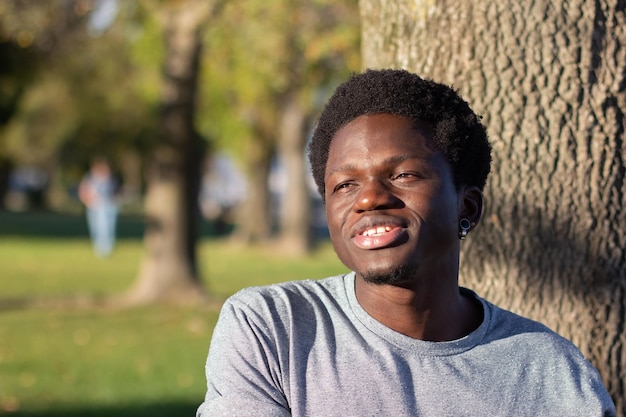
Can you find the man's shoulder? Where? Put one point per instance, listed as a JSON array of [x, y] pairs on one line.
[[552, 361], [527, 334]]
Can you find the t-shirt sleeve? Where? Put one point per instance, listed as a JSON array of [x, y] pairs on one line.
[[242, 369]]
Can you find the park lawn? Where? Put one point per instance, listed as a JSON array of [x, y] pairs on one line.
[[146, 361]]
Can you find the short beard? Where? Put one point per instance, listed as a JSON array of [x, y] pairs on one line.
[[396, 276]]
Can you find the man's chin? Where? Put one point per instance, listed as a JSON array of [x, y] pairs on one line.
[[394, 276]]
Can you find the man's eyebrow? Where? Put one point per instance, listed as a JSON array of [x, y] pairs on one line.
[[401, 158], [342, 168], [396, 159]]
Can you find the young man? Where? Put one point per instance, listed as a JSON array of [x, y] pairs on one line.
[[98, 191], [401, 163]]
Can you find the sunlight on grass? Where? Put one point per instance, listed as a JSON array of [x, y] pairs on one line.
[[98, 357], [55, 267], [228, 269], [133, 362]]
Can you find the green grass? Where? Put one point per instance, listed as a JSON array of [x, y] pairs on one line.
[[145, 361]]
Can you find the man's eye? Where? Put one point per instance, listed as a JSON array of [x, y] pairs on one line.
[[343, 185], [403, 175]]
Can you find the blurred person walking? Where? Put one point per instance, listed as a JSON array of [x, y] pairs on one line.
[[97, 190]]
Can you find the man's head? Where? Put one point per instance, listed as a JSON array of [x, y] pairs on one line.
[[457, 131], [100, 166]]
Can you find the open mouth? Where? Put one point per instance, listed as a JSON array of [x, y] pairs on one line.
[[376, 231], [378, 237]]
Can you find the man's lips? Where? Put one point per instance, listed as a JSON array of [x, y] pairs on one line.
[[378, 230], [379, 235]]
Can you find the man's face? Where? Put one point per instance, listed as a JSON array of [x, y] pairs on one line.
[[391, 203]]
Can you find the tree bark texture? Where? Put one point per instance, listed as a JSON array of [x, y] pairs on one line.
[[549, 77], [169, 268]]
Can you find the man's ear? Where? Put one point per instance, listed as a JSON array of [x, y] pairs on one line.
[[471, 204]]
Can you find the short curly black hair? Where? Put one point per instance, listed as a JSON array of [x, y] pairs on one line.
[[458, 131]]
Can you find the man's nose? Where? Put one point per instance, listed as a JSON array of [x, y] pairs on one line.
[[375, 195]]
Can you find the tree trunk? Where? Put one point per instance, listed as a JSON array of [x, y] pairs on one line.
[[295, 212], [6, 166], [549, 78], [254, 218], [131, 173], [169, 268]]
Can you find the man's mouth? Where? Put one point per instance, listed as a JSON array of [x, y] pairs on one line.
[[378, 237], [376, 231]]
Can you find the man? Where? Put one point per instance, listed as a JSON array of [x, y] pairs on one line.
[[401, 163], [97, 190]]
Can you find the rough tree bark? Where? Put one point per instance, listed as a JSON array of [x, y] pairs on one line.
[[550, 79], [169, 269]]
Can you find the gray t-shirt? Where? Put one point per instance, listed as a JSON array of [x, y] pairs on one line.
[[307, 348]]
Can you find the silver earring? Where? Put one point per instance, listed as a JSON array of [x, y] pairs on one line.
[[464, 226]]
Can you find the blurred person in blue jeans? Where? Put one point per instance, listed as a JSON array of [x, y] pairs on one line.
[[97, 191]]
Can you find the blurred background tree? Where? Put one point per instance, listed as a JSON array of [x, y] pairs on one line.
[[271, 67], [75, 91], [169, 269], [160, 87]]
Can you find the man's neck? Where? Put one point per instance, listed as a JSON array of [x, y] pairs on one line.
[[435, 313]]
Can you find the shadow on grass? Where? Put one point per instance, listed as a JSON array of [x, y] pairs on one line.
[[166, 409]]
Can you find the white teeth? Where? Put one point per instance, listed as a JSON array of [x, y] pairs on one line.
[[378, 230]]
